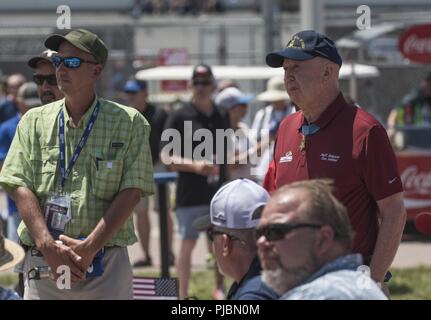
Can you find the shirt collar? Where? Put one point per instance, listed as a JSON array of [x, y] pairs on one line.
[[328, 114], [253, 270], [346, 262], [84, 119]]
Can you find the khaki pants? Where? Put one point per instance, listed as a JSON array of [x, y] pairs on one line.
[[114, 284]]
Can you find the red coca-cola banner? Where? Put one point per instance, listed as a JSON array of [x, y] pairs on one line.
[[173, 57], [415, 43], [415, 171]]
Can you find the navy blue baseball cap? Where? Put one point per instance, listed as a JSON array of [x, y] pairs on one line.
[[134, 86], [305, 45]]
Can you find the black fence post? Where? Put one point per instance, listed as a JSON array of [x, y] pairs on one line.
[[162, 179]]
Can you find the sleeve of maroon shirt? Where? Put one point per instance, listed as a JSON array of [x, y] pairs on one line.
[[380, 166], [269, 180]]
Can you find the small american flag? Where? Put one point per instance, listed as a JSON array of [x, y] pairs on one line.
[[146, 288]]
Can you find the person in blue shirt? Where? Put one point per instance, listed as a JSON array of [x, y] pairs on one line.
[[8, 105], [304, 242], [234, 213], [27, 98]]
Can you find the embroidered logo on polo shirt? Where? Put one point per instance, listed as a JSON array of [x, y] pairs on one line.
[[117, 145], [392, 180], [329, 157], [288, 157]]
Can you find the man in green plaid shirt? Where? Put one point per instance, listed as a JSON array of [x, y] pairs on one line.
[[111, 174]]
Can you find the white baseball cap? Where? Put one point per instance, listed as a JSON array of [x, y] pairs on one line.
[[231, 97], [236, 205]]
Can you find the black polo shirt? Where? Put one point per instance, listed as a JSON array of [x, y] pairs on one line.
[[156, 117], [193, 189], [251, 286]]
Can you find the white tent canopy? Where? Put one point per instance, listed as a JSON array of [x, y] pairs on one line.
[[245, 72]]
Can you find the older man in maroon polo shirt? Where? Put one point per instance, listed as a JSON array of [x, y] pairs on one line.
[[330, 138]]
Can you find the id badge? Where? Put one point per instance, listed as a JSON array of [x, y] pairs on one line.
[[57, 213]]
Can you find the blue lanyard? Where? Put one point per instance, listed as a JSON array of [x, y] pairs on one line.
[[82, 141]]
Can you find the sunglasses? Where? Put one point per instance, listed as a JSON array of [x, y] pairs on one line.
[[277, 231], [211, 232], [50, 78], [202, 83], [70, 62]]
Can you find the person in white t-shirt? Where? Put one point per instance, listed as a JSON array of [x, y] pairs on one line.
[[267, 120]]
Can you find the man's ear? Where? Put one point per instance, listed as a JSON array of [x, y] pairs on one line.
[[328, 71], [227, 245], [324, 240], [97, 70]]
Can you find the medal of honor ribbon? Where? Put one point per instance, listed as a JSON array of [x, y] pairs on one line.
[[302, 144]]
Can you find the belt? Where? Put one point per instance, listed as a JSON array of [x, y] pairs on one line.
[[35, 252]]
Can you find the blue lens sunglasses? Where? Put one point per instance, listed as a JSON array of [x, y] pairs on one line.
[[70, 62]]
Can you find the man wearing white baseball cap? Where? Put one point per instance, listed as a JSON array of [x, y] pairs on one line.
[[234, 213]]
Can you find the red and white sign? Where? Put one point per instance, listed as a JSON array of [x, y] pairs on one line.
[[415, 43], [415, 171], [173, 57]]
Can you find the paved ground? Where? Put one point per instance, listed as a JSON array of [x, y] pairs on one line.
[[199, 254], [414, 250]]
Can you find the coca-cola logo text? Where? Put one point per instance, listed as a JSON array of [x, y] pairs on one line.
[[415, 181], [415, 43]]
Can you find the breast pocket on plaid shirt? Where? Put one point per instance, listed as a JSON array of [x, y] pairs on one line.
[[44, 168], [106, 177]]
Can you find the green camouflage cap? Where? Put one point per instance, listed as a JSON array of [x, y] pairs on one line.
[[83, 40]]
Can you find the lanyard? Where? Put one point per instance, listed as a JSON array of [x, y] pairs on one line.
[[307, 130], [82, 141]]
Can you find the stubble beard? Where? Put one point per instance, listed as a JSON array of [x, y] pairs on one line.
[[282, 279]]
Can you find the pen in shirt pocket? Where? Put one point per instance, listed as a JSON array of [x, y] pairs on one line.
[[97, 162]]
